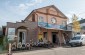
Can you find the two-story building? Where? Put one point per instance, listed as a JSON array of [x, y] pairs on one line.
[[47, 23]]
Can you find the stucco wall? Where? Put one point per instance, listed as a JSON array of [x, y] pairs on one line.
[[59, 34], [30, 26], [47, 18]]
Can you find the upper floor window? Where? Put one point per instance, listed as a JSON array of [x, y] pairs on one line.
[[40, 19], [53, 20], [64, 23], [33, 17]]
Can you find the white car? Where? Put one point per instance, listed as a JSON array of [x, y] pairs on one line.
[[78, 40]]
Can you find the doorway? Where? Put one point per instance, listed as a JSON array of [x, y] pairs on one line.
[[55, 38], [22, 37]]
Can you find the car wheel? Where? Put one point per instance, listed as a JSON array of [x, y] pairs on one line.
[[71, 45], [81, 44]]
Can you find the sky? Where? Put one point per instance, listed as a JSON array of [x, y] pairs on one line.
[[17, 10]]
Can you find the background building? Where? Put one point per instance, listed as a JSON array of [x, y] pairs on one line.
[[0, 31]]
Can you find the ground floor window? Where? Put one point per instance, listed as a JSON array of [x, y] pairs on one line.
[[45, 35]]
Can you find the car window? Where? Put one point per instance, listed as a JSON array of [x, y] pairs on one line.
[[76, 38], [81, 38]]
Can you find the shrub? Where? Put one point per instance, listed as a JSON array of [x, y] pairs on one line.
[[1, 39]]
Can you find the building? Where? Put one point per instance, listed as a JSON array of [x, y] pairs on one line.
[[47, 23], [0, 31], [82, 27], [82, 24], [3, 30]]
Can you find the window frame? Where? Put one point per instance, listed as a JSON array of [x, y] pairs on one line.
[[41, 19], [54, 19], [64, 23]]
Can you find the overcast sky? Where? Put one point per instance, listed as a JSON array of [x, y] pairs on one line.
[[17, 10]]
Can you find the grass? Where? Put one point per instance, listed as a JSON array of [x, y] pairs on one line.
[[2, 49]]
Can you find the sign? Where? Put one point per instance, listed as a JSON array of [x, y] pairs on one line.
[[11, 33], [50, 26], [40, 36]]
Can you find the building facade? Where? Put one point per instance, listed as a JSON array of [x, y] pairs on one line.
[[82, 25], [47, 23], [0, 31]]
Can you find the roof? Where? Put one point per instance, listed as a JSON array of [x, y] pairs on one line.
[[52, 7], [82, 21], [47, 7]]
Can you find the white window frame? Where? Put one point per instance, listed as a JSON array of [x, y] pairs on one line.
[[64, 23], [53, 20], [40, 19]]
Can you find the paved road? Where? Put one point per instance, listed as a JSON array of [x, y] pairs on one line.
[[55, 51]]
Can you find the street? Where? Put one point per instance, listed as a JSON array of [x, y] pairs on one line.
[[55, 51]]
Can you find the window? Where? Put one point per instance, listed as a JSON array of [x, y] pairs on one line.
[[53, 20], [45, 35], [33, 17], [41, 19], [76, 38], [64, 23]]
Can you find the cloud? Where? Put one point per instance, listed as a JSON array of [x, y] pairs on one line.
[[39, 1], [25, 6], [80, 15], [30, 4], [22, 7], [16, 11], [69, 14]]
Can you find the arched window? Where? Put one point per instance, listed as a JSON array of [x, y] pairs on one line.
[[53, 20]]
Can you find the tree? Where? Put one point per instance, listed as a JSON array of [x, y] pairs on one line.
[[76, 24], [5, 43]]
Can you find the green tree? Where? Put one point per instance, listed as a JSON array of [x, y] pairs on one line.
[[76, 24]]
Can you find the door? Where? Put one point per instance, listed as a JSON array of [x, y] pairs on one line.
[[22, 37], [83, 40], [55, 38]]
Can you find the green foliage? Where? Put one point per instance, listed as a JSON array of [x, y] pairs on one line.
[[1, 39], [5, 42], [76, 24]]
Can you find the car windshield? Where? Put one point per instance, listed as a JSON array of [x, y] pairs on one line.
[[76, 38]]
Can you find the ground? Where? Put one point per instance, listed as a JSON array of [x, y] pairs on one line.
[[55, 51]]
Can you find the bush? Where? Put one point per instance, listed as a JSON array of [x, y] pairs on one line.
[[5, 42], [1, 39]]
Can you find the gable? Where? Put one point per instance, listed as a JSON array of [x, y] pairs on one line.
[[51, 10]]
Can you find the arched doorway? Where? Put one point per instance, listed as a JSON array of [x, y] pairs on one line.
[[22, 34]]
